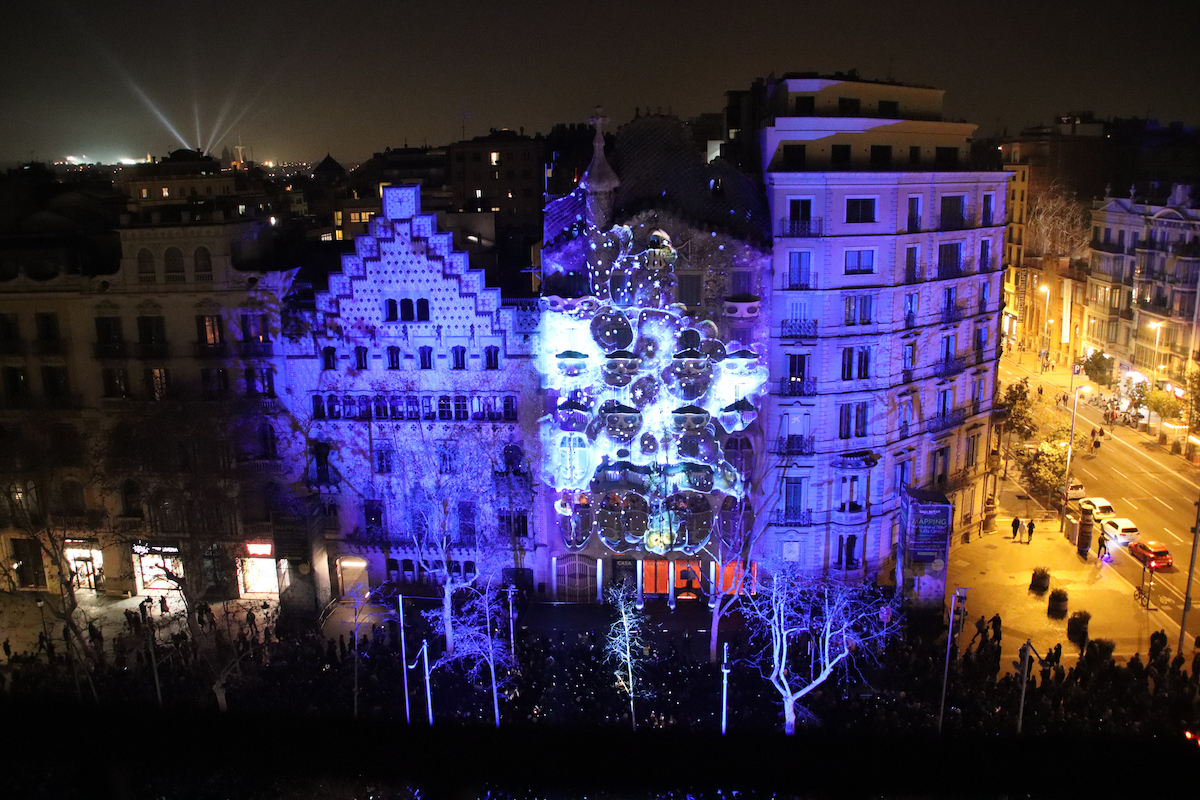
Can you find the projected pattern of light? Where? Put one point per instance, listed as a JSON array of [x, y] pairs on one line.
[[647, 395]]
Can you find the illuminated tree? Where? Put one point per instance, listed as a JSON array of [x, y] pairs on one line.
[[626, 643], [1165, 404], [811, 626], [479, 635], [1057, 223]]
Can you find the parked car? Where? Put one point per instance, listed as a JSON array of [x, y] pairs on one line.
[[1120, 530], [1075, 491], [1153, 554], [1101, 508]]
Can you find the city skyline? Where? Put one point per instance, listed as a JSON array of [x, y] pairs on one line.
[[294, 82]]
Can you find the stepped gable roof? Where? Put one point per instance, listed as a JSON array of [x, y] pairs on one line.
[[660, 168]]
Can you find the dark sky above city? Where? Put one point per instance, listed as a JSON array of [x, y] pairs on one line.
[[291, 80]]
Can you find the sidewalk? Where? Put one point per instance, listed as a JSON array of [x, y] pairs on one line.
[[998, 570]]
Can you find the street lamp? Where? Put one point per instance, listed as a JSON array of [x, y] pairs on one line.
[[1046, 316], [1157, 333], [1062, 514]]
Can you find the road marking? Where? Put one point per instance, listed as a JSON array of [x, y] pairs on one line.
[[1131, 505], [1122, 474], [1087, 472], [1173, 536], [1165, 503]]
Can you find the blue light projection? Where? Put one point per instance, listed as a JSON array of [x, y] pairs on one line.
[[647, 394]]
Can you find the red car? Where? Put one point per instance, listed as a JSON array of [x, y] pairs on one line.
[[1153, 554]]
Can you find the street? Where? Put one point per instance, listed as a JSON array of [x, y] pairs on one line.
[[1142, 480]]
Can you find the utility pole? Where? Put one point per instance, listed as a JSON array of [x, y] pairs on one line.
[[1187, 597], [725, 689], [960, 597]]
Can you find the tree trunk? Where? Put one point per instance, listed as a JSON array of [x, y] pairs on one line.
[[714, 630], [219, 690], [495, 692], [448, 615], [789, 716]]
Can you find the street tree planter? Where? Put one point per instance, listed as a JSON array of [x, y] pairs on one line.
[[1057, 607], [1040, 581]]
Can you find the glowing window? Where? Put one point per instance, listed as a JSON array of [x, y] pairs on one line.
[[166, 192], [510, 408], [495, 159], [460, 407]]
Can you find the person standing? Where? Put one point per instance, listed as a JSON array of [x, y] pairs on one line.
[[981, 628], [995, 623], [1102, 546], [1029, 531], [1016, 526], [1020, 529]]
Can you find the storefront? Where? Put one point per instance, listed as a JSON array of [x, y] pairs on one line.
[[87, 564], [352, 576], [258, 573], [150, 565]]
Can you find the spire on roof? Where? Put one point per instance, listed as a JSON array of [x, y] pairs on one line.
[[599, 176]]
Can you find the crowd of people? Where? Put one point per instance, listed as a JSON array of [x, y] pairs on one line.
[[566, 680]]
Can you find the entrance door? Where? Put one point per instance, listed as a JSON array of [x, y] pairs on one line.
[[353, 573], [85, 573], [576, 578]]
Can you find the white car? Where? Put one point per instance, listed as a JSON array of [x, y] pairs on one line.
[[1119, 530], [1075, 491], [1101, 508]]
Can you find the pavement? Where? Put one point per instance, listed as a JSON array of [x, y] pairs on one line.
[[998, 570]]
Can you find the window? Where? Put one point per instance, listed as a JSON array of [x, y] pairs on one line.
[[461, 411], [318, 407], [10, 331], [393, 357], [383, 461], [950, 259], [860, 419], [889, 108], [165, 191], [805, 105], [426, 355], [173, 265], [54, 382], [328, 358], [514, 526], [858, 309], [690, 289], [849, 106], [422, 310], [158, 385], [214, 381], [360, 358], [972, 449], [985, 255], [373, 516], [848, 494], [458, 357], [444, 411], [795, 496], [391, 312], [856, 363], [860, 262], [989, 202], [152, 330], [210, 330], [799, 270], [881, 156], [321, 462], [839, 155], [510, 408], [793, 157], [491, 357], [798, 364], [115, 382], [912, 303], [131, 500], [406, 311], [914, 154], [256, 328], [46, 325], [27, 557], [914, 214], [852, 420], [260, 381], [446, 460], [909, 356], [108, 330]]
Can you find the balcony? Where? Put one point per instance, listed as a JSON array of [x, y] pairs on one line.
[[795, 446], [272, 464], [950, 366], [947, 419], [949, 271], [798, 387], [261, 404], [851, 514], [212, 350], [150, 350], [799, 228], [49, 347], [956, 222], [1107, 247], [254, 349], [800, 518], [64, 401], [804, 283], [798, 328], [903, 430], [912, 273], [111, 349], [951, 314], [1126, 313]]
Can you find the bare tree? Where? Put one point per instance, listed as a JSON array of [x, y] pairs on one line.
[[479, 635], [811, 626], [626, 643], [1057, 223]]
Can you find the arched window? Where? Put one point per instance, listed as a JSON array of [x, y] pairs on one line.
[[131, 500], [328, 358], [73, 502], [426, 358], [173, 265], [491, 357], [422, 311], [360, 358], [390, 311], [444, 411], [458, 356], [202, 264], [145, 260], [406, 311], [318, 405], [393, 355]]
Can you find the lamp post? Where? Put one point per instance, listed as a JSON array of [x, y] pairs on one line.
[[1062, 514], [1157, 333], [1046, 316], [957, 602]]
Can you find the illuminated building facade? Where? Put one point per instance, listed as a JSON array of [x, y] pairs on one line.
[[884, 309], [654, 362]]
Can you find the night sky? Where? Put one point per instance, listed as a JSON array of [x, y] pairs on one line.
[[295, 79]]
